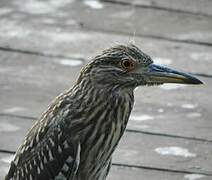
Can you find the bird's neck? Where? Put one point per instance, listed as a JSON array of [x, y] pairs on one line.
[[97, 90], [106, 104], [99, 119]]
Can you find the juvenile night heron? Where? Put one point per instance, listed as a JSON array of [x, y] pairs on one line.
[[76, 136]]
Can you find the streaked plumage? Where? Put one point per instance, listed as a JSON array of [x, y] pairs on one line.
[[75, 138]]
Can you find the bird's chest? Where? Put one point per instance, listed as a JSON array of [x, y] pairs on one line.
[[107, 130]]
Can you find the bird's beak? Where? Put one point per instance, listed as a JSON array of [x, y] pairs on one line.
[[161, 74]]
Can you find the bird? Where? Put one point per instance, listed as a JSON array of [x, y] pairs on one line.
[[74, 139]]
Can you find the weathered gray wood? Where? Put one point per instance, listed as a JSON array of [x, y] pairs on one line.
[[114, 18], [86, 44], [24, 77], [147, 22], [68, 40], [13, 131], [116, 173], [184, 111], [120, 173], [203, 7], [136, 149], [4, 164], [17, 33]]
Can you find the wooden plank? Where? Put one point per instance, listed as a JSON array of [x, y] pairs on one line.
[[120, 173], [116, 173], [116, 18], [147, 22], [33, 77], [165, 153], [184, 111], [193, 58], [202, 7], [4, 163], [13, 130], [68, 40]]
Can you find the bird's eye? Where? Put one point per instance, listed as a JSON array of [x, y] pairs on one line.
[[128, 64]]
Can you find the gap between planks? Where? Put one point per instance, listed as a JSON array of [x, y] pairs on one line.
[[169, 39], [69, 57], [138, 166], [127, 130], [157, 8]]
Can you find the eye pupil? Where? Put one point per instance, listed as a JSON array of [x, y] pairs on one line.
[[127, 64]]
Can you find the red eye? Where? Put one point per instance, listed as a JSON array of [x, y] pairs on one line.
[[128, 64]]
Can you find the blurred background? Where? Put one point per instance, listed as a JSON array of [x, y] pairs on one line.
[[44, 44]]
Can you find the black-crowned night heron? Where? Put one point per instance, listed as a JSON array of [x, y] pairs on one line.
[[76, 136]]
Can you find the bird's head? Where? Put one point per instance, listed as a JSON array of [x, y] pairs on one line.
[[128, 66]]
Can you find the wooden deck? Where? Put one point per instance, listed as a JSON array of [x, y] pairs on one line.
[[43, 45]]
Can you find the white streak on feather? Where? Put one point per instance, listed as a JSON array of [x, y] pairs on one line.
[[41, 165], [38, 170], [65, 167], [59, 149], [65, 144], [30, 177], [44, 160], [69, 160], [52, 142], [50, 155]]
